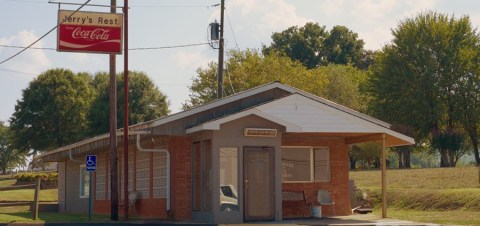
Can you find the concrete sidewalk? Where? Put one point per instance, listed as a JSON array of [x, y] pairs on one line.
[[360, 219]]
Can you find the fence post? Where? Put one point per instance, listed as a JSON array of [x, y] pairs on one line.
[[35, 198]]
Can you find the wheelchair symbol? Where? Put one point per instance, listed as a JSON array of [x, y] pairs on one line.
[[90, 162]]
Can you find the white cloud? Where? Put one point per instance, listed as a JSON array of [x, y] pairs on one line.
[[191, 60], [32, 61], [254, 21]]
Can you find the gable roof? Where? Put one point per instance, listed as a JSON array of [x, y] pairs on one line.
[[263, 108], [302, 114]]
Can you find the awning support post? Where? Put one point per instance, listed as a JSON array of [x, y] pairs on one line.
[[384, 178]]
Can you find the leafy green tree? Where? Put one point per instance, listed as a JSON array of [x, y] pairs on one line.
[[146, 101], [367, 153], [343, 46], [416, 80], [314, 46], [248, 69], [52, 112], [344, 85], [245, 70], [9, 157]]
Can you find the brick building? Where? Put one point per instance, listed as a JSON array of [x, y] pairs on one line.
[[228, 161]]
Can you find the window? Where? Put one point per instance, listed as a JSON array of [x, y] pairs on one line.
[[228, 179], [84, 182], [305, 164]]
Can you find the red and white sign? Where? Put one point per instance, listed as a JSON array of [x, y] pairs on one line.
[[89, 32]]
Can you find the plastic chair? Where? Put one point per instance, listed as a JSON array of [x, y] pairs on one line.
[[132, 199], [323, 198]]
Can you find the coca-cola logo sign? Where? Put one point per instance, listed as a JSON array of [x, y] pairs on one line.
[[96, 34], [89, 32]]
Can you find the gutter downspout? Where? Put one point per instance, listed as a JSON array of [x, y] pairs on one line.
[[71, 157], [168, 165], [73, 160]]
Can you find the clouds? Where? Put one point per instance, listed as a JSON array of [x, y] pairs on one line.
[[31, 62], [254, 21], [372, 19]]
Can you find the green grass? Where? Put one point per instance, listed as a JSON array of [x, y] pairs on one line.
[[437, 217], [27, 195], [7, 180], [439, 195], [441, 178], [25, 216]]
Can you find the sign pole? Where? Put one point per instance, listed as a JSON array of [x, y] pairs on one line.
[[90, 166], [125, 108], [90, 200], [113, 131]]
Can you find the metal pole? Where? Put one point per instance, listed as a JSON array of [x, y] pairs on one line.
[[113, 131], [384, 178], [125, 109], [220, 53], [90, 196]]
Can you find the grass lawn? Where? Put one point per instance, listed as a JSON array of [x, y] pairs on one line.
[[7, 180], [22, 215], [437, 217], [439, 195]]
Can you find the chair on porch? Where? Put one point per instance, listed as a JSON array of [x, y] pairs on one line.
[[324, 199], [132, 200]]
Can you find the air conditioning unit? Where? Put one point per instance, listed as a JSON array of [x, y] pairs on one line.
[[260, 132]]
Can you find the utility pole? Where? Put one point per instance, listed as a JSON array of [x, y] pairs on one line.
[[125, 109], [220, 53], [113, 131]]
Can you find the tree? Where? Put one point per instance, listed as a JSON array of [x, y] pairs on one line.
[[367, 153], [245, 70], [9, 157], [343, 46], [314, 46], [52, 112], [417, 79], [344, 85], [248, 69], [146, 101]]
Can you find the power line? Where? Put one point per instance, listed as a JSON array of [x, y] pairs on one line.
[[139, 48], [43, 36], [23, 47], [20, 72], [131, 6], [231, 28], [170, 47]]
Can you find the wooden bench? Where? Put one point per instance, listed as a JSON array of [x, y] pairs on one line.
[[295, 199]]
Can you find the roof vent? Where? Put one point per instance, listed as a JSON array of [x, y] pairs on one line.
[[259, 132]]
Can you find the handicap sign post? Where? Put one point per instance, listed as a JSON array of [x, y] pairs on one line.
[[90, 166]]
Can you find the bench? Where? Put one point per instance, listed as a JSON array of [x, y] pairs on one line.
[[295, 199]]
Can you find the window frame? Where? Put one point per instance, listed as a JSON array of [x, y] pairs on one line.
[[84, 191], [311, 150]]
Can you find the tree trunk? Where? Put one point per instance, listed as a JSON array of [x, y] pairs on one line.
[[443, 158], [400, 154], [474, 140], [353, 163], [407, 158]]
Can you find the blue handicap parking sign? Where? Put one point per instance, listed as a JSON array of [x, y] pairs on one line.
[[91, 163]]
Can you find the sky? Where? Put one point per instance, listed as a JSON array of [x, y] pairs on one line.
[[167, 23]]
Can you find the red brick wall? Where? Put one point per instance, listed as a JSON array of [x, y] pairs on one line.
[[181, 194], [180, 154], [338, 185]]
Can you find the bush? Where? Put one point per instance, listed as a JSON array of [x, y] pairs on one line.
[[49, 180]]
